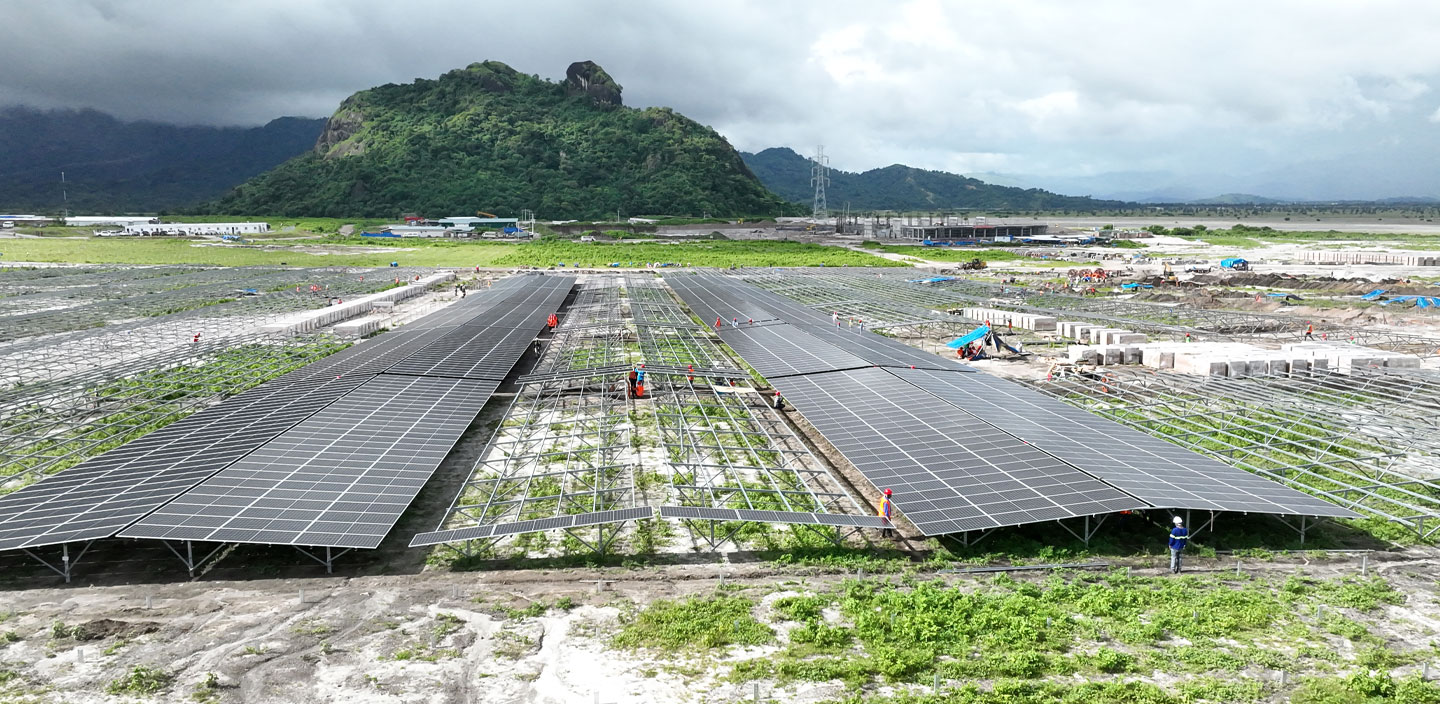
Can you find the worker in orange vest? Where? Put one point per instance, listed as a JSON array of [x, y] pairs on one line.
[[1309, 331], [886, 509], [552, 321]]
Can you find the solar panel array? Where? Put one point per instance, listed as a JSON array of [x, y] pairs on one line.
[[712, 296], [1161, 473], [969, 451], [949, 473], [780, 350], [469, 353], [340, 478], [103, 495]]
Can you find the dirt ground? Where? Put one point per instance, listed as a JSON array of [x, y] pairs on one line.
[[445, 637]]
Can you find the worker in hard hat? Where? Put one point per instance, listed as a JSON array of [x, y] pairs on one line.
[[1179, 537], [886, 509]]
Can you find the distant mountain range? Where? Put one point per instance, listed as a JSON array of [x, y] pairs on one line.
[[114, 166], [899, 187]]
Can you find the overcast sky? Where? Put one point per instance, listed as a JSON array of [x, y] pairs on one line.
[[1306, 98]]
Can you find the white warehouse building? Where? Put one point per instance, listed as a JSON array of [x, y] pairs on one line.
[[117, 220], [198, 228]]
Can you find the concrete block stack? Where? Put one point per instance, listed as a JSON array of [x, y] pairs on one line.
[[308, 320], [1099, 334], [1203, 358], [1003, 318], [360, 327], [1344, 358], [1238, 359], [1342, 257]]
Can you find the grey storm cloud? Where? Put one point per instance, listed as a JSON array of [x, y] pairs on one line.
[[1306, 98]]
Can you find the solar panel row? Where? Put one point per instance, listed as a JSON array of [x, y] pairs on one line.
[[1162, 473], [101, 496], [340, 478], [730, 299], [969, 451], [781, 350], [950, 474]]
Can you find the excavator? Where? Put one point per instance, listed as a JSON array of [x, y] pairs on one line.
[[1169, 273]]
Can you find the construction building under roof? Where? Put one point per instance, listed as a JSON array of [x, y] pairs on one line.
[[969, 232]]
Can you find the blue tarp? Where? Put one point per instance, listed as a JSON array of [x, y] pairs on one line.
[[510, 229], [1231, 262], [968, 338], [932, 280], [1277, 295], [1373, 295], [378, 234]]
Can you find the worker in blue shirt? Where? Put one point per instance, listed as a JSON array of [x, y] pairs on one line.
[[1178, 538]]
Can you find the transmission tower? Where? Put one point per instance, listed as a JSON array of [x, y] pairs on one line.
[[819, 178]]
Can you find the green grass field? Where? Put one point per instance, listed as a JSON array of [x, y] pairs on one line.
[[355, 251]]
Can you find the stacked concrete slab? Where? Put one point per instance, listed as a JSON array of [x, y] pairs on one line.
[[1004, 318], [360, 327], [1203, 358], [1235, 359], [1343, 357], [308, 320], [1339, 257], [1099, 334]]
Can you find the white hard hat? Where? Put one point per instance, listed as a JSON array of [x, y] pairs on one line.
[[1179, 520]]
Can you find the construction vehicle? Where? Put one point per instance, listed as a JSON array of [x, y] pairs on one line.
[[492, 216], [975, 264], [1169, 273]]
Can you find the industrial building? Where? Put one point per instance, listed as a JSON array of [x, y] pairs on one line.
[[480, 223], [116, 220], [198, 228], [968, 232]]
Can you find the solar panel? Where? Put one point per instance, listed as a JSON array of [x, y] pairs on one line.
[[1161, 473], [700, 513], [874, 349], [711, 297], [949, 473], [99, 496], [781, 350], [469, 353], [341, 478]]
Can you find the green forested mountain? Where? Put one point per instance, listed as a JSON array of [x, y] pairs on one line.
[[899, 187], [112, 166], [487, 137]]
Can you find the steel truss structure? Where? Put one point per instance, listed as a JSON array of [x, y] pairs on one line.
[[1365, 441], [576, 452]]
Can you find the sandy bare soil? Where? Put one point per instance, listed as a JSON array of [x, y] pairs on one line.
[[441, 637]]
